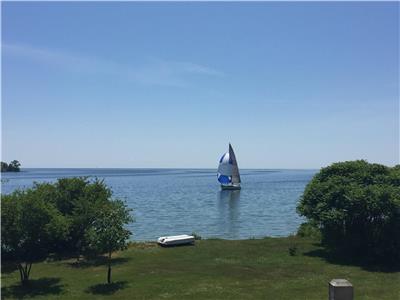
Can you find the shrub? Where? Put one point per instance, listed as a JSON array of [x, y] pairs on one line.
[[357, 208], [308, 229]]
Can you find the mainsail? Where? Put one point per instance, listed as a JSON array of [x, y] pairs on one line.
[[228, 170], [235, 168]]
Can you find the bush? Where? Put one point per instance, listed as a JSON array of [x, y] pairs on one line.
[[309, 230], [357, 208]]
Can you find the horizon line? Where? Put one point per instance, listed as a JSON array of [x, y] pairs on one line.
[[166, 168]]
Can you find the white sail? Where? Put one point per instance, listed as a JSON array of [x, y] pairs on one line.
[[225, 168], [228, 170], [235, 167]]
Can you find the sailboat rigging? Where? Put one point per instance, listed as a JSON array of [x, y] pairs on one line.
[[228, 171]]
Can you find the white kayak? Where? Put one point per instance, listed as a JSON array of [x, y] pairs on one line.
[[176, 240]]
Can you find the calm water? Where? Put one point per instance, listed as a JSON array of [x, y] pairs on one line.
[[178, 201]]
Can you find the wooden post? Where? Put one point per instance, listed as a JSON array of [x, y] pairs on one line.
[[340, 289]]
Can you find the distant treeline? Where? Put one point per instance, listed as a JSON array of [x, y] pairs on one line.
[[13, 166]]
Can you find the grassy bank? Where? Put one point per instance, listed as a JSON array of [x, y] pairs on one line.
[[213, 269]]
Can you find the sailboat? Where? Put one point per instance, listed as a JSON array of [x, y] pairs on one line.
[[228, 171]]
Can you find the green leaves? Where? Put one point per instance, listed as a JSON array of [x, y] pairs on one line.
[[357, 205], [71, 216], [77, 199], [30, 226], [107, 232]]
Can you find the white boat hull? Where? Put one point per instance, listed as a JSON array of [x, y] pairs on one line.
[[176, 240], [230, 187]]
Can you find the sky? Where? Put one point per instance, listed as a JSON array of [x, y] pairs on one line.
[[169, 85]]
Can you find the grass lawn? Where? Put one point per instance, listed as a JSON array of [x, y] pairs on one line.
[[212, 269]]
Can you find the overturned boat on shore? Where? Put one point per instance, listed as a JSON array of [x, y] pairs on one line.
[[176, 240]]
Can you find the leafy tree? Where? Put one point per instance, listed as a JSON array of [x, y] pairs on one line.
[[72, 215], [30, 226], [4, 167], [13, 166], [107, 233], [356, 206], [78, 199]]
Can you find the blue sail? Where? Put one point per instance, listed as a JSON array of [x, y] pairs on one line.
[[224, 179]]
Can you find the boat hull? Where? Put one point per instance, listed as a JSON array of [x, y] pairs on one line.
[[230, 187], [176, 240]]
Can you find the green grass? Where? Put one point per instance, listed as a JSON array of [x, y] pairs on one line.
[[212, 269]]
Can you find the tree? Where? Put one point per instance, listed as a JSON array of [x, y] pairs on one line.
[[72, 215], [13, 166], [78, 199], [107, 233], [356, 206], [4, 167], [29, 228]]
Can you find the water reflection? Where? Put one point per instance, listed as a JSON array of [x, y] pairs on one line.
[[228, 207]]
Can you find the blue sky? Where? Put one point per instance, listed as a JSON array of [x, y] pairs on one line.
[[290, 85]]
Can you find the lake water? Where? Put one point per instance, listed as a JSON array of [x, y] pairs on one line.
[[180, 201]]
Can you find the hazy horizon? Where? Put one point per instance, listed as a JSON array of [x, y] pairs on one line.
[[169, 85], [176, 167], [155, 168]]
